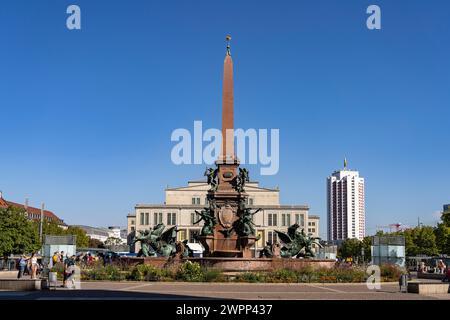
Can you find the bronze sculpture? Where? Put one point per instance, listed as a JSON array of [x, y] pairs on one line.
[[295, 242], [157, 242], [208, 216], [245, 225], [241, 179], [212, 179]]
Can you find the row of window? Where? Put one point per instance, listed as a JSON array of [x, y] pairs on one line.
[[196, 201], [171, 218], [272, 219]]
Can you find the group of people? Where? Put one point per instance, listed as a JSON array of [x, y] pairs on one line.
[[68, 262], [29, 265], [440, 268]]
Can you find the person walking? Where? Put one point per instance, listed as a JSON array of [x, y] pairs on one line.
[[55, 258], [22, 265], [441, 267], [34, 265]]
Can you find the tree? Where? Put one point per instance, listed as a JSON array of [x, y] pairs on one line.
[[442, 234], [82, 238], [367, 247], [411, 249], [17, 234], [49, 228], [350, 248], [54, 229], [425, 240], [445, 217], [95, 243]]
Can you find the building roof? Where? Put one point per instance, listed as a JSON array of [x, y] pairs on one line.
[[193, 185], [200, 206], [94, 230], [31, 210]]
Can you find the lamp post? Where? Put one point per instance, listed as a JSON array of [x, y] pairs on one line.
[[41, 223]]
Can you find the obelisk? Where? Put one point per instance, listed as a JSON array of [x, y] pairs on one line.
[[225, 198], [227, 107]]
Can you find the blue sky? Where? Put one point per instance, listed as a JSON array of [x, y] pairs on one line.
[[87, 115]]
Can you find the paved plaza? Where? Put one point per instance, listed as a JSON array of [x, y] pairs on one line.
[[188, 291]]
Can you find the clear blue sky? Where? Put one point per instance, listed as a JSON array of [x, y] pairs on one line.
[[86, 116]]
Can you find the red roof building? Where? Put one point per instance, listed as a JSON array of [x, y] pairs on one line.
[[33, 213]]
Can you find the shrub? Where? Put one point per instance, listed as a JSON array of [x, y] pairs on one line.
[[148, 273], [305, 274], [283, 275], [390, 272], [111, 273], [348, 274], [211, 275], [190, 271], [250, 277]]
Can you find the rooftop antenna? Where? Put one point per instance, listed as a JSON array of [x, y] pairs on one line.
[[345, 163]]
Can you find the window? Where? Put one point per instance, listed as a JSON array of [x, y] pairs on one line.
[[132, 229], [132, 222], [147, 220], [272, 219], [285, 219], [181, 235], [260, 243], [196, 200], [193, 234], [250, 201], [272, 237], [171, 218], [194, 217], [300, 219], [157, 218], [142, 218]]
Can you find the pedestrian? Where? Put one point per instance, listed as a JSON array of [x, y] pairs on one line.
[[65, 273], [34, 265], [61, 257], [447, 275], [441, 267], [22, 265], [55, 258]]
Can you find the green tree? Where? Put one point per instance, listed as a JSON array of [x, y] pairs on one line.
[[367, 247], [17, 234], [442, 234], [425, 240], [95, 243], [82, 238], [350, 248], [411, 247], [49, 228], [445, 217]]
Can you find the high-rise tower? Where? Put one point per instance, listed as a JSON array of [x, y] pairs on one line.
[[346, 205]]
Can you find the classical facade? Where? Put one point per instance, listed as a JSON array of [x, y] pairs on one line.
[[180, 205]]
